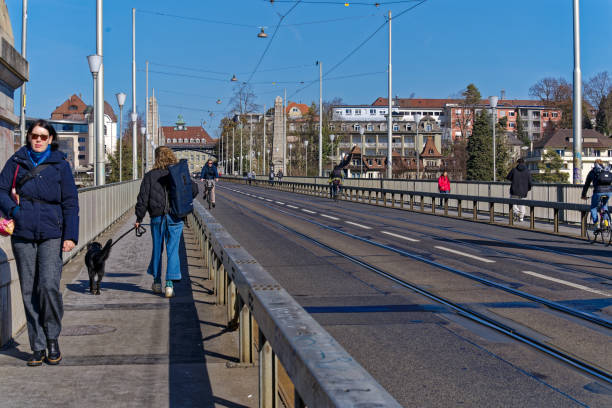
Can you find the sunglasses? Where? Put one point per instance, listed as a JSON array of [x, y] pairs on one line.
[[35, 136]]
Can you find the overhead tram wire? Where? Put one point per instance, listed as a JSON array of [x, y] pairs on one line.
[[343, 60], [280, 21], [350, 3]]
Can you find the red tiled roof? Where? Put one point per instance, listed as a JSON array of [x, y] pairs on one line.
[[440, 103], [301, 106], [190, 132], [64, 112], [430, 146]]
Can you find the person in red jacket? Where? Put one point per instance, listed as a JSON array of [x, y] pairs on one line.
[[443, 185]]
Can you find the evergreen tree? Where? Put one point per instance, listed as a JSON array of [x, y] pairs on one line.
[[126, 164], [472, 95], [502, 151], [551, 164], [520, 132], [480, 149], [601, 120]]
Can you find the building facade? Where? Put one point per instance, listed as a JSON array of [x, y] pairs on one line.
[[192, 143]]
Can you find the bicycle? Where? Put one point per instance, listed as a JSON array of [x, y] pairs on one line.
[[208, 186], [602, 228]]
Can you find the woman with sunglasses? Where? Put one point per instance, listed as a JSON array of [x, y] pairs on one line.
[[37, 191]]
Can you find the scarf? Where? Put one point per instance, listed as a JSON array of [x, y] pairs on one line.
[[38, 157]]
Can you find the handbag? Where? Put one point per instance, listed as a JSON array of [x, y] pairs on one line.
[[7, 225]]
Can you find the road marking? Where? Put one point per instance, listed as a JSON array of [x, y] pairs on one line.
[[574, 285], [261, 198], [292, 206], [278, 202], [267, 199], [358, 225], [464, 254], [400, 236], [308, 211], [330, 217]]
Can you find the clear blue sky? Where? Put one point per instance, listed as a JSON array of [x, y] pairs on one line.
[[438, 48]]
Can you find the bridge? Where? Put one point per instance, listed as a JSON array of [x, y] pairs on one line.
[[387, 297]]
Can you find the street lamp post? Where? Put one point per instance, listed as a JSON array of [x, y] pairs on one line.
[[493, 103], [233, 150], [95, 62], [241, 148], [361, 132], [417, 119], [134, 113], [290, 147], [120, 101], [143, 132], [306, 161], [250, 142], [331, 156]]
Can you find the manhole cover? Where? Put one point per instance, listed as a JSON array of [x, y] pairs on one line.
[[87, 330]]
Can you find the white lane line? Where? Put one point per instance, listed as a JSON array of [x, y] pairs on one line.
[[400, 236], [358, 225], [279, 202], [292, 206], [308, 211], [267, 199], [573, 285], [330, 217], [464, 254]]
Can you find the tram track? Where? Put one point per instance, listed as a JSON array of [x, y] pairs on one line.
[[464, 311]]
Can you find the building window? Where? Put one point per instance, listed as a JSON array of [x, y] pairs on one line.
[[561, 153], [357, 111], [458, 111], [535, 114], [597, 153], [191, 140], [511, 113], [294, 110], [347, 111], [370, 127], [555, 115], [331, 127], [372, 111], [82, 140], [104, 130], [180, 140], [436, 113], [81, 157], [343, 127], [609, 153], [428, 127], [502, 114], [395, 128], [356, 126], [545, 114], [292, 127], [197, 140], [73, 107], [82, 148], [408, 127]]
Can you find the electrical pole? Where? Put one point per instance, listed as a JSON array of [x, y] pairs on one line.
[[577, 145], [250, 142], [320, 118], [100, 150], [24, 25], [265, 170], [390, 118], [134, 113], [285, 133]]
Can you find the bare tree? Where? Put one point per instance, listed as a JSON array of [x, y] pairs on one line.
[[597, 88], [243, 100], [471, 98]]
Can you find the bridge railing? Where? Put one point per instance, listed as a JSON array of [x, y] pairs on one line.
[[563, 193], [99, 208], [552, 212], [274, 328]]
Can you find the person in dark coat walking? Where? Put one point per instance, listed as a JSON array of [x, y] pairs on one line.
[[520, 177], [45, 208], [153, 198]]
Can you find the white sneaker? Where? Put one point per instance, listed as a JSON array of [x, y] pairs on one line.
[[169, 291], [521, 219]]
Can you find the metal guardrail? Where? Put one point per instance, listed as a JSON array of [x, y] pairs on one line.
[[406, 199], [289, 342]]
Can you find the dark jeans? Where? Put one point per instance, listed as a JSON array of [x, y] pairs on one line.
[[39, 265]]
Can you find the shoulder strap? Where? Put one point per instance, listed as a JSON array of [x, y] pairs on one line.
[[15, 177], [31, 174]]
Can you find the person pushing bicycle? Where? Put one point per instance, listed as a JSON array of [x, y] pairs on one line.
[[209, 172], [601, 177], [335, 181]]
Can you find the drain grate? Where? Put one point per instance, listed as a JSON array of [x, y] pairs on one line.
[[87, 330]]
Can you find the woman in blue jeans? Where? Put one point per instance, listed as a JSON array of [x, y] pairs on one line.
[[165, 228], [44, 205]]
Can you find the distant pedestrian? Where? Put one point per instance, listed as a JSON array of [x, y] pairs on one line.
[[165, 228], [271, 177], [279, 175], [443, 185], [45, 209], [520, 177]]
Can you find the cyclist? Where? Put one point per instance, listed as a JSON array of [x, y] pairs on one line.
[[601, 177], [209, 172], [335, 178]]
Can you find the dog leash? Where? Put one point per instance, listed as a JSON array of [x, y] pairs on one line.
[[139, 233]]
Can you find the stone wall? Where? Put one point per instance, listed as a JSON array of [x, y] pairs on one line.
[[13, 72]]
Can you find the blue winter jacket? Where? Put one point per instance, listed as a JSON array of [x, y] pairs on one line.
[[49, 203], [208, 173]]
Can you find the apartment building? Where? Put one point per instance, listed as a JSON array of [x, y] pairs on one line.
[[189, 142]]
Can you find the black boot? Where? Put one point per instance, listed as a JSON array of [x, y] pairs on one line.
[[54, 356], [37, 358]]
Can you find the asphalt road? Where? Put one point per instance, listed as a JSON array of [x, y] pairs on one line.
[[422, 352]]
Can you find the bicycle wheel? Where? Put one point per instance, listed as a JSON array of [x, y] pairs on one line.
[[591, 230], [606, 230]]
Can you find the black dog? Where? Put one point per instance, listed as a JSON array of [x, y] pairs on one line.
[[94, 259]]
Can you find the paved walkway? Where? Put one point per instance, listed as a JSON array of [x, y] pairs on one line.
[[131, 348]]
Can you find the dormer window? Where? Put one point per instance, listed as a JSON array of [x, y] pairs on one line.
[[191, 140], [197, 140], [180, 140], [73, 107], [173, 140]]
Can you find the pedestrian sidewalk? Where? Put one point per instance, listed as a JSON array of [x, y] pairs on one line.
[[131, 348]]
